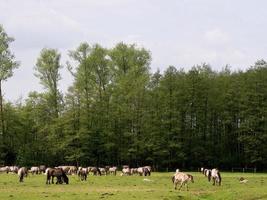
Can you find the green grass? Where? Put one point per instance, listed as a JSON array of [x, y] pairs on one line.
[[133, 187]]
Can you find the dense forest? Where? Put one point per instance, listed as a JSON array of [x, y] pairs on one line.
[[118, 112]]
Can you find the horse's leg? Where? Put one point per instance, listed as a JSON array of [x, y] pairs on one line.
[[52, 179], [181, 186], [175, 185]]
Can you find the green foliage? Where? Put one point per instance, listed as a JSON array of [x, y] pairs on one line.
[[118, 112], [7, 66]]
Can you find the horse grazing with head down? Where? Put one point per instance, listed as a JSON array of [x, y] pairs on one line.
[[22, 172], [216, 176], [5, 169], [59, 174], [94, 170], [82, 173], [113, 170]]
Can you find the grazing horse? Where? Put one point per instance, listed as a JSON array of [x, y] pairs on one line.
[[143, 171], [107, 169], [22, 172], [35, 170], [146, 171], [5, 169], [113, 170], [182, 178], [102, 170], [59, 173], [216, 176], [149, 169], [126, 171], [14, 169], [42, 168], [95, 170], [82, 173]]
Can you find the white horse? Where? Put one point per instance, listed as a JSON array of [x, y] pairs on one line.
[[126, 172], [216, 177], [5, 169], [35, 170], [113, 170], [14, 169]]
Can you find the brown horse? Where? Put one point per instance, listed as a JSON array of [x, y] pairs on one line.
[[59, 173]]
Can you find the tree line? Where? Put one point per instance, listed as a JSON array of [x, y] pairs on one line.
[[119, 112]]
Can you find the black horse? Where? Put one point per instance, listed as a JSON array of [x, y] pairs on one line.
[[59, 173]]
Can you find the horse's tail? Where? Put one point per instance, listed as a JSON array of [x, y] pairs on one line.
[[209, 175], [173, 178], [98, 170], [220, 178]]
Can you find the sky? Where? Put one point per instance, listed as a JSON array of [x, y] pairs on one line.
[[182, 33]]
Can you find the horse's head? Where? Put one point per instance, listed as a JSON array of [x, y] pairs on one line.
[[191, 178]]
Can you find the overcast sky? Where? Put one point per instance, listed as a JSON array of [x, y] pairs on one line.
[[177, 32]]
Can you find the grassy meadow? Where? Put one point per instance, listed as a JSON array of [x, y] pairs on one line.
[[159, 186]]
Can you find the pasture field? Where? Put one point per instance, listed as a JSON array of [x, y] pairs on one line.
[[134, 188]]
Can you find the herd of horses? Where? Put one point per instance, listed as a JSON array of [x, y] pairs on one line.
[[61, 172], [183, 178]]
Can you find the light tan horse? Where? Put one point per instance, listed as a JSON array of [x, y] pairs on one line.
[[182, 178]]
